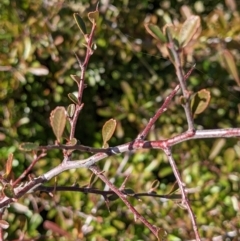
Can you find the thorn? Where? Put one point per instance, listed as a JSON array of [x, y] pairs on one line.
[[79, 61]]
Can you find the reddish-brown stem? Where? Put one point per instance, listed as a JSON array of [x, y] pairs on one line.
[[24, 174], [121, 195], [81, 84], [162, 109], [180, 75], [183, 192]]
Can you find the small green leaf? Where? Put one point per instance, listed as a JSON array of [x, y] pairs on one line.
[[129, 191], [189, 28], [4, 224], [108, 130], [73, 98], [174, 188], [113, 197], [58, 121], [28, 146], [71, 110], [72, 142], [80, 23], [76, 78], [154, 185], [200, 101], [93, 16], [156, 32], [8, 191]]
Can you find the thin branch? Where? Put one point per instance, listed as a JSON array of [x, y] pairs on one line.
[[135, 145], [26, 171], [105, 193], [99, 173], [162, 109], [180, 75], [183, 192]]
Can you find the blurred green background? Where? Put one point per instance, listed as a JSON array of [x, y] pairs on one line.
[[128, 78]]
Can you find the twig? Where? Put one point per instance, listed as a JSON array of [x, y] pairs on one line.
[[99, 173], [24, 174], [180, 75], [183, 192], [162, 109]]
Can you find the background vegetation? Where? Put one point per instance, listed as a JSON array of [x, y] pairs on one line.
[[127, 77]]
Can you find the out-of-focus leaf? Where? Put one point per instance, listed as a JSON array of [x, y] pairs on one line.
[[128, 91], [4, 224], [156, 32], [58, 121], [80, 23], [230, 65], [73, 98], [27, 47], [200, 101], [28, 146], [93, 16], [71, 110], [189, 28], [9, 164], [39, 71], [108, 130], [216, 148], [48, 225], [161, 234], [8, 190]]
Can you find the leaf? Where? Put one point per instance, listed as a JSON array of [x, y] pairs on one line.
[[38, 71], [128, 91], [80, 23], [161, 234], [189, 28], [216, 148], [76, 78], [230, 65], [71, 110], [72, 142], [93, 16], [200, 101], [9, 164], [108, 130], [113, 197], [28, 146], [58, 121], [73, 98], [156, 32], [4, 224], [154, 185], [8, 191]]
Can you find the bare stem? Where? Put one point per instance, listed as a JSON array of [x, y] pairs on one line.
[[24, 174], [121, 195], [180, 75], [162, 109], [183, 192]]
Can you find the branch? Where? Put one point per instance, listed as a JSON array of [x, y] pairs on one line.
[[180, 75], [181, 185], [99, 173]]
